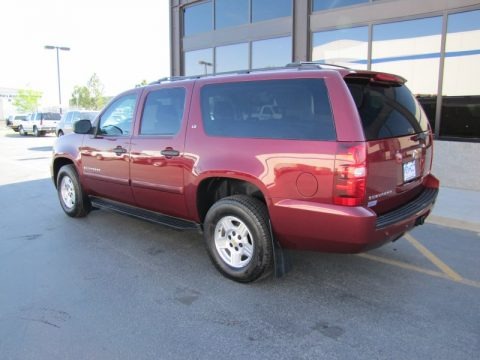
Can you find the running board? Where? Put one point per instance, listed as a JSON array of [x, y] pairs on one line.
[[147, 215]]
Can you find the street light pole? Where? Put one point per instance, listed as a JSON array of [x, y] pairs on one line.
[[50, 47], [205, 63]]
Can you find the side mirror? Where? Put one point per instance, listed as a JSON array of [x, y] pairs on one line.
[[82, 127]]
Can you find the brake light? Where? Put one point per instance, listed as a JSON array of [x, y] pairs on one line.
[[350, 174], [389, 78]]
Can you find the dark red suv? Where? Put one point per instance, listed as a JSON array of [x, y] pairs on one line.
[[305, 157]]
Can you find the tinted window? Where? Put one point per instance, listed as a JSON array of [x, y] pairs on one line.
[[263, 10], [118, 117], [231, 57], [199, 62], [163, 112], [271, 52], [21, 117], [277, 109], [230, 13], [461, 92], [198, 19], [330, 4], [387, 110], [50, 116], [344, 47]]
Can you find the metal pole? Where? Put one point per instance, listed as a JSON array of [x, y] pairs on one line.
[[58, 76]]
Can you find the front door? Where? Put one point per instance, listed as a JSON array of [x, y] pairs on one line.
[[157, 158], [106, 154]]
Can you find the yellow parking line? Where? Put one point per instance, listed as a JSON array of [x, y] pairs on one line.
[[406, 266], [447, 270], [403, 265]]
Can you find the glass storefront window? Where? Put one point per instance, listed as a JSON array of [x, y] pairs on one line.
[[263, 10], [319, 5], [198, 62], [198, 19], [411, 49], [231, 13], [344, 47], [231, 58], [461, 90], [271, 52]]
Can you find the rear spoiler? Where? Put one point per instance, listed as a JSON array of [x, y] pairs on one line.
[[377, 77]]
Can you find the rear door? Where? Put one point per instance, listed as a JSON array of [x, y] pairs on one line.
[[399, 140], [158, 161]]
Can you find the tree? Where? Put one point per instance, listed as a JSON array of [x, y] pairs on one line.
[[142, 83], [96, 92], [81, 97], [27, 100], [89, 96]]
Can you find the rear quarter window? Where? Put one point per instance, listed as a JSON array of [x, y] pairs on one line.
[[387, 110], [271, 109]]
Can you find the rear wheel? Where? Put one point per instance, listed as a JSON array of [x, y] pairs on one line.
[[237, 237], [72, 198], [20, 130], [36, 132]]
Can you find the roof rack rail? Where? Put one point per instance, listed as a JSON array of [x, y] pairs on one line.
[[314, 64]]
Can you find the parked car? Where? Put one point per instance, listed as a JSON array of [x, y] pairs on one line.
[[65, 125], [40, 123], [14, 121], [345, 166]]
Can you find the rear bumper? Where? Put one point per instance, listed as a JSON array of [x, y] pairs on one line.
[[331, 228], [47, 129]]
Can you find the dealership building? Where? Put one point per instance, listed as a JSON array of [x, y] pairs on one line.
[[434, 44]]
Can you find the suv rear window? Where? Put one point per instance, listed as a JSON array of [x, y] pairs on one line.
[[387, 109], [51, 116], [275, 109]]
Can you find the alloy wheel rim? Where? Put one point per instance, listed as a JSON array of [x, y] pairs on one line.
[[234, 242], [67, 192]]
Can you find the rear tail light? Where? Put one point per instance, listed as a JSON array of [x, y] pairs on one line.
[[350, 174]]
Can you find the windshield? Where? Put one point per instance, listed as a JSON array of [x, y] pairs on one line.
[[387, 110]]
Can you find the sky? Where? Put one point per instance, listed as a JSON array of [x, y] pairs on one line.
[[122, 41]]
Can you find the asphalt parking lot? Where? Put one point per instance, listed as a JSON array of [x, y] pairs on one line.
[[112, 287]]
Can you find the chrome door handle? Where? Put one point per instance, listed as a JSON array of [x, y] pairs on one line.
[[170, 153], [119, 150]]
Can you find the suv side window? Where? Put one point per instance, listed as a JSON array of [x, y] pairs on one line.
[[69, 117], [163, 112], [271, 109], [117, 119]]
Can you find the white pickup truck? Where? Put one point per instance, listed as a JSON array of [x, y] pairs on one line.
[[40, 123]]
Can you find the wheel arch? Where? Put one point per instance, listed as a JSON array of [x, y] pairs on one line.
[[58, 163], [214, 188]]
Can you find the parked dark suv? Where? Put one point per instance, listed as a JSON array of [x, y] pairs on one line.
[[304, 157]]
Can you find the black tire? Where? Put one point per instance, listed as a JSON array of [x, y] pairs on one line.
[[20, 130], [70, 193], [60, 133], [36, 132], [244, 255]]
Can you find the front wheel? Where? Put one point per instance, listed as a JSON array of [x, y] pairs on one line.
[[21, 131], [36, 132], [74, 202], [238, 239]]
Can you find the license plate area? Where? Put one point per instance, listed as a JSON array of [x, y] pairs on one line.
[[409, 171]]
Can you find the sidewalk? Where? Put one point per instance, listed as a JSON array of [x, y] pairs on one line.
[[457, 208]]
